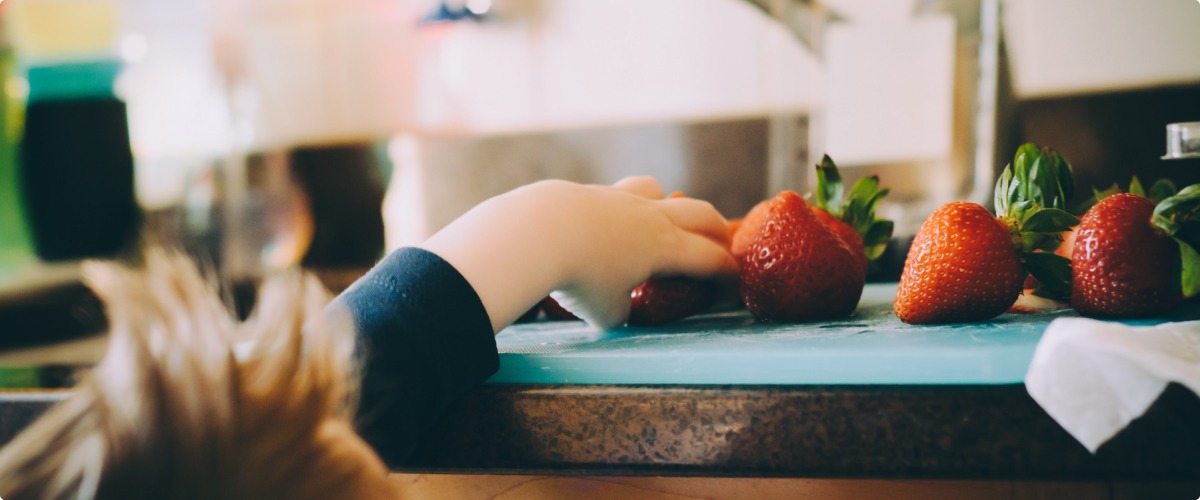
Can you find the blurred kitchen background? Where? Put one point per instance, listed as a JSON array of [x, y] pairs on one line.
[[259, 134]]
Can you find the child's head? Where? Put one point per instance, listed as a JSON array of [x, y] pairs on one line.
[[190, 403]]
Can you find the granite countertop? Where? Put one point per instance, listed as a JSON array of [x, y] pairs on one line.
[[934, 432], [724, 396], [922, 432]]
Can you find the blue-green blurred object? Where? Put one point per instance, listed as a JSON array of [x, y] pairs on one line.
[[80, 80]]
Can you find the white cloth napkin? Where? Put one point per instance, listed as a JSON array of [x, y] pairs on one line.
[[1094, 377]]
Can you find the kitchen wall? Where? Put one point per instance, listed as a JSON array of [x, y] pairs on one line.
[[436, 178], [1076, 47], [1095, 79]]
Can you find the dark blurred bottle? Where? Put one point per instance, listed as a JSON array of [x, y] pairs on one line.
[[76, 164]]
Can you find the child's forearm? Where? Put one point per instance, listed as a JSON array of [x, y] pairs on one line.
[[507, 251], [592, 244], [425, 316]]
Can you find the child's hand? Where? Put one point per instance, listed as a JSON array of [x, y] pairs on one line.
[[589, 244]]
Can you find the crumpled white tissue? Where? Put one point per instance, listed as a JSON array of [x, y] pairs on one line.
[[1094, 377]]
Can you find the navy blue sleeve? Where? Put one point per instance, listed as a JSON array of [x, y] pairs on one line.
[[424, 339]]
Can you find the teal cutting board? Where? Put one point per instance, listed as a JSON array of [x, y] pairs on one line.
[[870, 347]]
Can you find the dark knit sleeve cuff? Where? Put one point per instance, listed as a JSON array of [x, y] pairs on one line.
[[424, 340]]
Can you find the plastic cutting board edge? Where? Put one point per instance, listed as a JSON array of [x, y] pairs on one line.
[[871, 347]]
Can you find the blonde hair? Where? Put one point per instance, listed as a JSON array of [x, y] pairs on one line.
[[190, 403]]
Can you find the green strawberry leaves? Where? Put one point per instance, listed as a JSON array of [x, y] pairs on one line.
[[859, 210], [1159, 191], [1047, 220], [1040, 176], [1031, 196], [1179, 217], [1189, 279], [876, 239], [1053, 273], [1042, 229], [829, 187], [856, 209]]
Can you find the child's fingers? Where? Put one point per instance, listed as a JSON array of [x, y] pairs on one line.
[[697, 216], [642, 185], [698, 256]]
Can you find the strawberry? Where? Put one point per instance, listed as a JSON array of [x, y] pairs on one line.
[[556, 312], [1158, 191], [744, 230], [797, 268], [1133, 258], [967, 265], [962, 266], [853, 216], [662, 300], [846, 233]]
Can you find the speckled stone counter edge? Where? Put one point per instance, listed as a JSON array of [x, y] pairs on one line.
[[976, 432], [930, 432]]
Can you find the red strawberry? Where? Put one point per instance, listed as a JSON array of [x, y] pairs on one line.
[[967, 265], [846, 233], [852, 215], [1158, 191], [962, 266], [1123, 266], [556, 312], [797, 268], [663, 300], [746, 229]]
